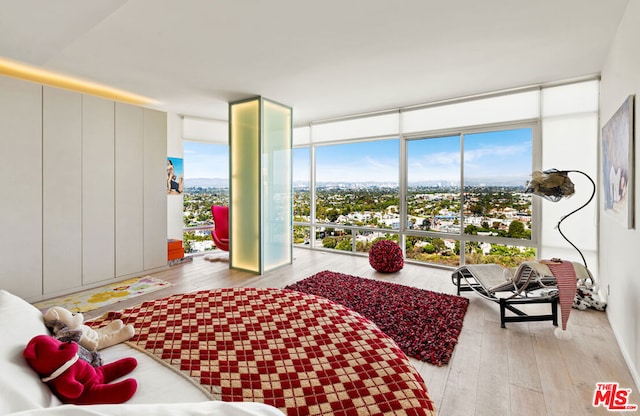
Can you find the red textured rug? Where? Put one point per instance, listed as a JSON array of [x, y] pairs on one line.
[[424, 324]]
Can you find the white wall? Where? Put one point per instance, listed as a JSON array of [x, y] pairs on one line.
[[618, 245], [174, 202]]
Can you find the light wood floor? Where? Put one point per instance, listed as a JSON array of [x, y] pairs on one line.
[[521, 370]]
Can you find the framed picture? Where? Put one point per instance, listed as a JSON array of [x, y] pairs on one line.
[[175, 176], [617, 164]]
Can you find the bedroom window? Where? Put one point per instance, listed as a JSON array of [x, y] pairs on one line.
[[462, 166], [497, 165], [433, 184], [433, 199], [206, 183], [301, 196], [356, 186], [484, 222]]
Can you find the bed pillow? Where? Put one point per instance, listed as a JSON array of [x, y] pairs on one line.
[[20, 386]]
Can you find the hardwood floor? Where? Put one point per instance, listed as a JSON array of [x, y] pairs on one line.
[[522, 370]]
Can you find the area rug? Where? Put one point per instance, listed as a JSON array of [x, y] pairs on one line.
[[91, 299], [424, 324]]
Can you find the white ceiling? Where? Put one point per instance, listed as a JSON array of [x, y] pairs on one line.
[[324, 58]]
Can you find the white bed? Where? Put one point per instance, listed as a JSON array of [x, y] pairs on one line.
[[160, 392]]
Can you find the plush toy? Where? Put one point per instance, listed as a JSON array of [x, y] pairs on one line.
[[587, 297], [62, 333], [75, 381], [92, 339]]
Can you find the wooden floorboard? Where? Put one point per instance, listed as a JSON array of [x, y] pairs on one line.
[[524, 369]]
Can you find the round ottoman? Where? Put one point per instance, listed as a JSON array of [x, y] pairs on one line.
[[386, 256]]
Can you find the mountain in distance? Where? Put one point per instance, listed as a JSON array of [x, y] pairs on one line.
[[206, 183], [356, 184], [508, 181], [505, 181]]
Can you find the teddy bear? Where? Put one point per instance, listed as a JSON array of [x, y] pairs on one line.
[[63, 333], [75, 381], [92, 339]]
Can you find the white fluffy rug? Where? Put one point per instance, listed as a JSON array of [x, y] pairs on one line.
[[217, 255]]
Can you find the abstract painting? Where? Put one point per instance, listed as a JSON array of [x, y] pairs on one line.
[[617, 164]]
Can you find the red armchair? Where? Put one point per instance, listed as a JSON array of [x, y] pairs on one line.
[[220, 233]]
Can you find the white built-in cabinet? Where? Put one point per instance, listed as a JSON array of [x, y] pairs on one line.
[[85, 190], [21, 194], [98, 189], [129, 189], [61, 189], [155, 191]]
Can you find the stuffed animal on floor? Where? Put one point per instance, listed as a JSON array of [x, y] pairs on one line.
[[587, 297], [92, 339], [75, 381], [63, 333]]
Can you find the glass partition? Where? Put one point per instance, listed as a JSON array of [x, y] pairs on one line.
[[260, 193]]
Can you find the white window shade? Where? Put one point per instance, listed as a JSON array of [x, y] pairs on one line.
[[214, 131], [571, 143], [370, 126], [498, 109], [301, 135], [575, 98]]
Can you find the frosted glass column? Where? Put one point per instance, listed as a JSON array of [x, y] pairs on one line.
[[260, 220]]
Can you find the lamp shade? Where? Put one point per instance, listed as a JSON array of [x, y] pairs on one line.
[[551, 184]]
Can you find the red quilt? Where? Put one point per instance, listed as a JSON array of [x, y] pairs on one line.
[[300, 353]]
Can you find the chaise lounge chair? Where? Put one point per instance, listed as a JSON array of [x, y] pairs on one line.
[[532, 282]]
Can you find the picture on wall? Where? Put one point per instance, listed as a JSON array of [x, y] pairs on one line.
[[617, 164], [175, 176]]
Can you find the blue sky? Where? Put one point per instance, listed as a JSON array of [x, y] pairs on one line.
[[490, 157], [205, 160], [358, 162]]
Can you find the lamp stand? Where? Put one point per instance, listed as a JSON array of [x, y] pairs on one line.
[[593, 193]]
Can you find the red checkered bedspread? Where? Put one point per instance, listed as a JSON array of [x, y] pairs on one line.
[[300, 353]]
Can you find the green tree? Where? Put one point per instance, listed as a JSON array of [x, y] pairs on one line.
[[517, 230], [329, 242], [344, 244], [471, 229]]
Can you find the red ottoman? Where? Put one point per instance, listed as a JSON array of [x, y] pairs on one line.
[[386, 256]]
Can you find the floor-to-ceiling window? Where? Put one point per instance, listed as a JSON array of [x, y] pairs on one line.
[[301, 196], [460, 168], [463, 196], [487, 221], [497, 165], [206, 183], [433, 199], [356, 194]]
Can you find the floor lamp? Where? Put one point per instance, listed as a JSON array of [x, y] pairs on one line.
[[554, 185]]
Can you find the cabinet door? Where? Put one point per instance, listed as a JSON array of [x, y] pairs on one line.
[[62, 189], [155, 189], [98, 190], [129, 201], [21, 201]]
